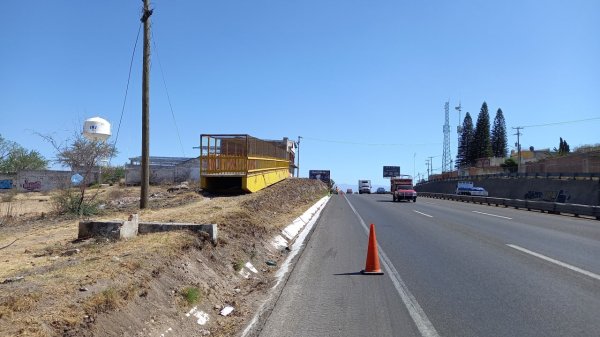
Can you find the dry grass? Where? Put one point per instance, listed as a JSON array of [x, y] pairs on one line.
[[18, 303], [118, 272], [108, 299]]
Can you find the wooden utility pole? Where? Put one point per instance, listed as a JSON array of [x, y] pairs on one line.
[[518, 134], [145, 174]]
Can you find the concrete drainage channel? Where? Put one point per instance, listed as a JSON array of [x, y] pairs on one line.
[[118, 229], [295, 234]]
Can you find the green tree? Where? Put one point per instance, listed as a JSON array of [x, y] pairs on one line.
[[464, 155], [563, 147], [15, 158], [481, 145], [498, 138], [113, 174], [510, 165]]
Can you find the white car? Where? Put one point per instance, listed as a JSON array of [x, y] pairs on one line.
[[476, 191]]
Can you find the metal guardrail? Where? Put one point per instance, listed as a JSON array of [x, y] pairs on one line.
[[544, 206], [566, 175]]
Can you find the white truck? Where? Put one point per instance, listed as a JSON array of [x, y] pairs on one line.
[[364, 186]]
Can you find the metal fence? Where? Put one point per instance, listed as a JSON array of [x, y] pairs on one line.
[[238, 155]]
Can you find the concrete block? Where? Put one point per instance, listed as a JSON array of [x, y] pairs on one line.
[[115, 229], [155, 227]]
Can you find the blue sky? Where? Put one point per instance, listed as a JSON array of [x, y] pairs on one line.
[[342, 74]]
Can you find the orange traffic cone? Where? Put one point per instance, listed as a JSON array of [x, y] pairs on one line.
[[372, 265]]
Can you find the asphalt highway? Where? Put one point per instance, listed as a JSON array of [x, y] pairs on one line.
[[451, 269]]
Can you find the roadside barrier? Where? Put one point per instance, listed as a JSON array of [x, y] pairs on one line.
[[543, 206]]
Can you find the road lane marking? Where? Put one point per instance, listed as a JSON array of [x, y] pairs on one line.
[[549, 259], [414, 309], [497, 216], [423, 213]]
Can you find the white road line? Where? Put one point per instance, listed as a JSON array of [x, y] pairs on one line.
[[427, 215], [414, 309], [562, 264], [497, 216]]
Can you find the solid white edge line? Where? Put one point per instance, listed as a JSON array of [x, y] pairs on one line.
[[549, 259], [414, 309], [497, 216], [431, 216]]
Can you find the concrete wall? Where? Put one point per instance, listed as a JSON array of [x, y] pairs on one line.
[[578, 162], [159, 175], [35, 180], [585, 192]]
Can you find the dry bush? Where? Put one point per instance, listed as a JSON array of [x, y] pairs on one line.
[[116, 193], [66, 201], [18, 303], [104, 301], [6, 214], [9, 196]]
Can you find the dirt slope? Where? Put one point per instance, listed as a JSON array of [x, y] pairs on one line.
[[146, 285]]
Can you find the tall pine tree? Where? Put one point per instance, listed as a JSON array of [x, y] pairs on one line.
[[482, 147], [464, 146], [499, 140], [563, 148]]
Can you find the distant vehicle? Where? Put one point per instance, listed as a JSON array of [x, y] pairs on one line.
[[364, 186], [467, 188], [380, 190], [349, 191], [402, 189]]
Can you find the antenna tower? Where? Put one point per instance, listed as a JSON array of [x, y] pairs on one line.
[[447, 158]]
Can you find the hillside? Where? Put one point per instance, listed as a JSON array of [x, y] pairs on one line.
[[54, 285]]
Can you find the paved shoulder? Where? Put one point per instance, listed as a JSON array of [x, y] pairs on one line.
[[327, 296]]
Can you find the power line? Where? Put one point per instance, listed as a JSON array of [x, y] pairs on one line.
[[560, 123], [167, 91], [126, 88], [365, 144]]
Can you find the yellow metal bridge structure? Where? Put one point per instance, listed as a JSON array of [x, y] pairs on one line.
[[237, 161]]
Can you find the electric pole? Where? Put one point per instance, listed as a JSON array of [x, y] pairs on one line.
[[518, 134], [414, 165], [145, 169], [458, 129], [298, 166]]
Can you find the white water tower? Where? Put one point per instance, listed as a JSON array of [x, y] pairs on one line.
[[96, 129]]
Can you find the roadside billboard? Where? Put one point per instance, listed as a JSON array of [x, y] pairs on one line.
[[323, 175], [391, 171]]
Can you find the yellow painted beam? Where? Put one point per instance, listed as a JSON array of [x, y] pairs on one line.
[[258, 181]]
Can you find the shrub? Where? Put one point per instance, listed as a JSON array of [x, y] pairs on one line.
[[69, 202], [191, 295], [238, 265]]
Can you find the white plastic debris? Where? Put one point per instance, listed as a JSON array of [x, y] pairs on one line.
[[244, 273], [200, 315], [251, 267], [226, 311]]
